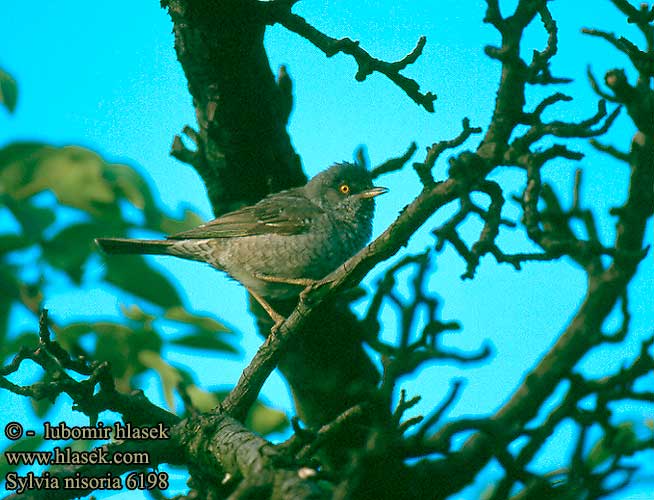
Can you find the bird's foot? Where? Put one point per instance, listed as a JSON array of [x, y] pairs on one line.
[[304, 294], [277, 318], [277, 325]]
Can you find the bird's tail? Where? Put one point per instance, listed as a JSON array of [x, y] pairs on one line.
[[129, 246]]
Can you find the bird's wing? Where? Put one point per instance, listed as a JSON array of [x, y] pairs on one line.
[[288, 212]]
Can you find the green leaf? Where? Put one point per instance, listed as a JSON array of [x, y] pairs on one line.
[[69, 337], [202, 400], [113, 345], [9, 285], [135, 276], [264, 419], [204, 336], [204, 340], [169, 375], [622, 442], [69, 249], [42, 406], [135, 313], [18, 162], [20, 153], [122, 346], [12, 346], [74, 175], [12, 242], [129, 184], [261, 418], [8, 91], [168, 225], [133, 340], [5, 306], [23, 444], [205, 323], [33, 220]]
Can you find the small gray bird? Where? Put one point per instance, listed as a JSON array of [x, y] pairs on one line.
[[284, 240]]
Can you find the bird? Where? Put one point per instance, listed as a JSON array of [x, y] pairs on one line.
[[282, 243]]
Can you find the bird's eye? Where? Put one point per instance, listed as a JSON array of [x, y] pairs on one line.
[[344, 188]]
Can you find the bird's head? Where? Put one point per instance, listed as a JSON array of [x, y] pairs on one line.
[[346, 191]]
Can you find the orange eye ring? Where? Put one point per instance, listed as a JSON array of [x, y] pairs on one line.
[[344, 188]]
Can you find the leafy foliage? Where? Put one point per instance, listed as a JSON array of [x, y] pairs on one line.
[[53, 202], [8, 91]]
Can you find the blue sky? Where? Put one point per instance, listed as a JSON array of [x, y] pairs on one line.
[[105, 76]]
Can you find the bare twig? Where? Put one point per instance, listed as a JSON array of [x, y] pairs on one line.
[[394, 164], [424, 168], [281, 13]]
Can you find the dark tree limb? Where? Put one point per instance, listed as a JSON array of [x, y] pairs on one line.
[[92, 395], [243, 150], [280, 12], [210, 443], [220, 444], [158, 452]]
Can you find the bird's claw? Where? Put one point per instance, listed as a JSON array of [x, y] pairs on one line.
[[278, 323], [277, 318], [304, 294]]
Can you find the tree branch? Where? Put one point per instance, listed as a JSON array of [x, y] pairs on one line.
[[281, 13]]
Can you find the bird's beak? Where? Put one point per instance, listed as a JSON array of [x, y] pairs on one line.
[[371, 193]]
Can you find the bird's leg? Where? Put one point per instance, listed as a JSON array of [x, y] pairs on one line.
[[274, 315], [305, 282], [309, 284], [287, 281]]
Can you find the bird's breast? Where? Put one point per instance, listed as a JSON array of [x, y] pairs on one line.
[[311, 255]]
